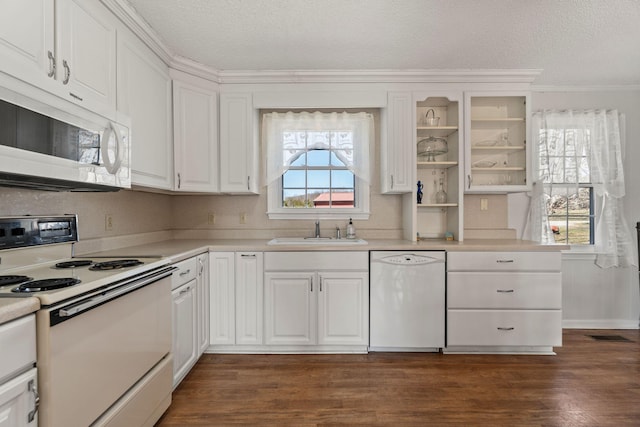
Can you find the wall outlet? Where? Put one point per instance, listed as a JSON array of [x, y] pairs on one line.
[[108, 222], [484, 204], [211, 218], [243, 218]]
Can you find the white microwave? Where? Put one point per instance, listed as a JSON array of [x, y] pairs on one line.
[[52, 149]]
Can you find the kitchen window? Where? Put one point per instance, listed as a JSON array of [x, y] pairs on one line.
[[317, 164], [565, 169], [578, 195]]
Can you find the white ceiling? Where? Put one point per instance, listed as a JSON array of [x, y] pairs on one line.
[[574, 42]]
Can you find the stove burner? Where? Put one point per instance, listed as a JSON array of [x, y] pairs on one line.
[[46, 284], [113, 265], [13, 280], [74, 263]]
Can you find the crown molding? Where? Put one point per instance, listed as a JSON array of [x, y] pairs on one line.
[[377, 76], [593, 88], [197, 69], [132, 20]]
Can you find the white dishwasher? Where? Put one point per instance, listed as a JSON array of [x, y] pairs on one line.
[[407, 301]]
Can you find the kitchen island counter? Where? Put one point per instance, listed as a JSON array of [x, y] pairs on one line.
[[13, 308]]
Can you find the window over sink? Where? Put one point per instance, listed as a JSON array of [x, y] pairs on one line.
[[317, 164]]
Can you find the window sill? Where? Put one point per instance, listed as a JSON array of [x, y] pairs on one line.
[[580, 252], [315, 214]]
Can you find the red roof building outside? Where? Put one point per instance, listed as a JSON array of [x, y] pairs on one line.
[[338, 200]]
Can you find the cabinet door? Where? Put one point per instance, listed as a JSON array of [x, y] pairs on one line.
[[238, 144], [195, 118], [290, 308], [249, 297], [222, 298], [397, 148], [27, 40], [202, 292], [497, 155], [144, 95], [86, 54], [184, 330], [17, 401], [343, 308]]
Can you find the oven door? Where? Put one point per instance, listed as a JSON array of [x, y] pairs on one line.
[[92, 350]]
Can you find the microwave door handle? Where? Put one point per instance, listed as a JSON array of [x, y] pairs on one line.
[[111, 166]]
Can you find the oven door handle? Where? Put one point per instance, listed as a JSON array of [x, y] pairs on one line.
[[112, 294]]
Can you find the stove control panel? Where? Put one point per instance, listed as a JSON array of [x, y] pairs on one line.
[[23, 231]]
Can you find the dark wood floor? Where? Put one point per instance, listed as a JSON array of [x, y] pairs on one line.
[[588, 383]]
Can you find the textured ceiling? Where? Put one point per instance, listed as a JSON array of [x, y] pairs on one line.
[[575, 42]]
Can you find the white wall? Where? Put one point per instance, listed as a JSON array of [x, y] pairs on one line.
[[594, 297]]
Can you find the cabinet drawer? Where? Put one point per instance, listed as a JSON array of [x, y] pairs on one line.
[[504, 261], [504, 290], [316, 260], [18, 344], [504, 328], [186, 271]]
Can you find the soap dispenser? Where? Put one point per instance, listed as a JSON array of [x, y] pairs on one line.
[[351, 230]]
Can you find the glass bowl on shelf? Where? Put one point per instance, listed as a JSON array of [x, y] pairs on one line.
[[431, 147]]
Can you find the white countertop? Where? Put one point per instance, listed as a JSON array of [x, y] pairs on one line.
[[13, 308], [178, 250]]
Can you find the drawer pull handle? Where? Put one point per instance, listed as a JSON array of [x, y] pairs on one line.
[[504, 261], [505, 329], [505, 291], [248, 255], [188, 289], [184, 273]]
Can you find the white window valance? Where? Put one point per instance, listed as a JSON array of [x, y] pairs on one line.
[[287, 135]]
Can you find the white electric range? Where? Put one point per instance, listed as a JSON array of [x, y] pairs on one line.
[[104, 327]]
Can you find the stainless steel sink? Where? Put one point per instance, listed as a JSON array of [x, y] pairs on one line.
[[315, 241]]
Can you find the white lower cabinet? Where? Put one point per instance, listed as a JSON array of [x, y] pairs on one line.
[[317, 299], [290, 308], [202, 296], [17, 401], [249, 294], [236, 300], [222, 327], [18, 377], [504, 302], [188, 315]]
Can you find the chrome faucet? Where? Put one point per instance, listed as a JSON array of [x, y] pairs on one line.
[[317, 229]]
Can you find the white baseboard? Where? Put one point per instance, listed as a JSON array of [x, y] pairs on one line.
[[600, 324]]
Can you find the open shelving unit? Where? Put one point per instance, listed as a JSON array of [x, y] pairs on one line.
[[429, 219], [496, 150]]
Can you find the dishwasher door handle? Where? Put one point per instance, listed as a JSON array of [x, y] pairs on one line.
[[408, 260]]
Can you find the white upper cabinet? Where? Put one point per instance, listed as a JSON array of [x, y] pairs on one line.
[[67, 48], [498, 157], [27, 41], [195, 121], [86, 56], [238, 144], [396, 158], [144, 95]]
